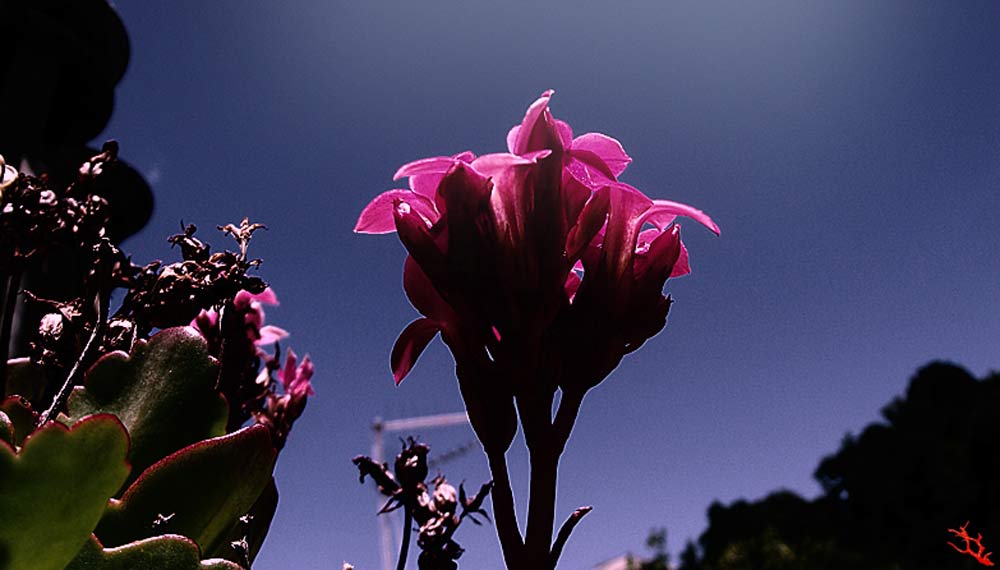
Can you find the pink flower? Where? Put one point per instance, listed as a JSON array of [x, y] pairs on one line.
[[252, 307], [295, 380], [518, 257]]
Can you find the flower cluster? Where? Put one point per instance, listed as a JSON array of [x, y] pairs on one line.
[[254, 386], [536, 265]]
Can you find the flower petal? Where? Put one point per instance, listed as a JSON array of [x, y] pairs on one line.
[[418, 241], [663, 254], [591, 220], [267, 296], [423, 295], [270, 334], [410, 344], [609, 150], [537, 131], [589, 169], [377, 217], [682, 266], [624, 222], [662, 214], [493, 164], [432, 165], [304, 374]]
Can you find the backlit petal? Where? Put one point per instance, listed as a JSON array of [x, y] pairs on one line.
[[663, 212], [535, 132], [431, 165], [591, 220], [589, 169], [377, 217], [609, 150], [410, 344]]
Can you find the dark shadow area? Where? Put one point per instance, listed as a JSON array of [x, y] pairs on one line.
[[889, 495], [60, 62]]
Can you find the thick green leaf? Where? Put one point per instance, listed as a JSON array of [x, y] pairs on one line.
[[165, 552], [52, 493], [164, 393], [254, 530], [199, 492], [25, 379], [19, 412]]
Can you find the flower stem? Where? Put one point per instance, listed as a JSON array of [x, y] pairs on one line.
[[405, 547], [504, 512], [71, 380], [565, 531], [541, 504], [544, 451], [9, 307]]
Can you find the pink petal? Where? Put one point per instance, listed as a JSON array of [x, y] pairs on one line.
[[287, 373], [589, 169], [432, 165], [266, 296], [565, 132], [426, 184], [410, 344], [304, 374], [663, 254], [418, 241], [609, 150], [492, 164], [422, 293], [532, 133], [682, 266], [464, 156], [270, 334], [512, 137], [662, 213], [646, 238], [624, 221], [591, 220], [377, 217]]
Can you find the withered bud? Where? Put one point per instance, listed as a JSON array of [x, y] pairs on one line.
[[411, 464], [445, 496], [51, 326]]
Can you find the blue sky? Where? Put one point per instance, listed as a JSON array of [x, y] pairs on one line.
[[850, 151]]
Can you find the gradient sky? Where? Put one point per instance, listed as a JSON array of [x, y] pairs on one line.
[[849, 150]]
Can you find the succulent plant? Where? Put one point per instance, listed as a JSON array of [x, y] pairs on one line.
[[146, 438]]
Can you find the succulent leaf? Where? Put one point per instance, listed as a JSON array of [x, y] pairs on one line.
[[18, 411], [165, 552], [53, 493], [200, 491], [254, 530], [164, 393], [25, 379], [6, 430]]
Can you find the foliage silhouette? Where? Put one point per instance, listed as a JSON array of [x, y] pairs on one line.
[[889, 494]]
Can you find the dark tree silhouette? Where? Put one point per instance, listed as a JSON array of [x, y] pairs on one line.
[[889, 494]]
